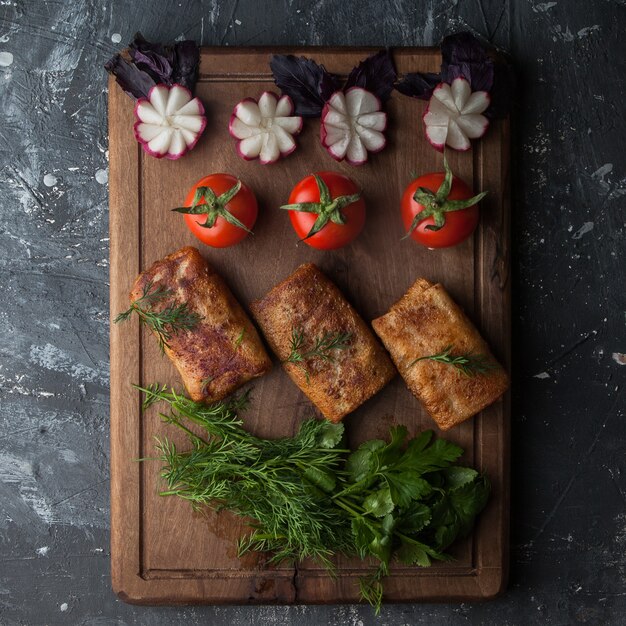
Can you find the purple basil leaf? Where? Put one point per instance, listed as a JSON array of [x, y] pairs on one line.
[[328, 84], [463, 55], [377, 74], [186, 62], [462, 48], [502, 92], [154, 63], [479, 75], [418, 84], [154, 58], [132, 80], [157, 66], [308, 84]]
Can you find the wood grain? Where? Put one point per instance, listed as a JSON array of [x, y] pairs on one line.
[[161, 553]]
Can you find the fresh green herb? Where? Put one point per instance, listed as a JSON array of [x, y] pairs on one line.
[[469, 364], [309, 497], [437, 205], [206, 382], [239, 339], [206, 202], [327, 209], [322, 347], [170, 320]]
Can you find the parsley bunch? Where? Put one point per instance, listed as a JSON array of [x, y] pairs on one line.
[[311, 497]]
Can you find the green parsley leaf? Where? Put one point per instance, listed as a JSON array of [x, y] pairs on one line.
[[362, 534], [406, 486], [330, 435], [379, 503], [458, 476], [416, 519], [437, 456], [413, 553]]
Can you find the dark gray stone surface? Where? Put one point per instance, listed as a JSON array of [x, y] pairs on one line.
[[569, 491]]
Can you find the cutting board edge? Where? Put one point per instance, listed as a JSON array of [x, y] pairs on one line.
[[131, 587]]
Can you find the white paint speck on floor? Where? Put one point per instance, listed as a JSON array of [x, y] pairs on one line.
[[6, 59], [102, 176]]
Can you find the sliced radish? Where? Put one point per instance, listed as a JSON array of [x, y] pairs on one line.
[[453, 115], [169, 121], [352, 125], [265, 128]]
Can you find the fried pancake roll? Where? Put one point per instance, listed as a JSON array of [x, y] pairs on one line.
[[323, 344], [440, 354], [212, 341]]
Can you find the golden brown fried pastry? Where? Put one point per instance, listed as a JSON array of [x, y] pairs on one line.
[[425, 322], [222, 351], [308, 307]]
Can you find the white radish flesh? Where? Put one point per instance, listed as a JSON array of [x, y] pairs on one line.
[[248, 112], [169, 122], [352, 125], [177, 99], [375, 121], [251, 147], [454, 115], [267, 104], [265, 129], [356, 152], [270, 151], [359, 102], [373, 140]]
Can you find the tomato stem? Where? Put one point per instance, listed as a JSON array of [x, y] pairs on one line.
[[327, 209], [436, 204], [206, 202]]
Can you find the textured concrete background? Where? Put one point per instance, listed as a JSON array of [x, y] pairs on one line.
[[569, 489]]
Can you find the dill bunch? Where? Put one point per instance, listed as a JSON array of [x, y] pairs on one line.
[[283, 484]]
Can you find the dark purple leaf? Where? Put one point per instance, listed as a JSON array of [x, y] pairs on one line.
[[154, 58], [154, 63], [157, 66], [502, 92], [479, 76], [308, 84], [377, 74], [418, 85], [462, 48], [463, 55], [186, 62], [132, 80]]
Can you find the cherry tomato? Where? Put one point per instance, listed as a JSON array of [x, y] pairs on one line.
[[456, 212], [331, 208], [232, 217]]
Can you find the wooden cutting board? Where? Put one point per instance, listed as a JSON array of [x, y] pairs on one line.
[[161, 552]]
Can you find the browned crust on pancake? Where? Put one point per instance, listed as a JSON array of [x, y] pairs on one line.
[[213, 358], [309, 301], [424, 322]]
